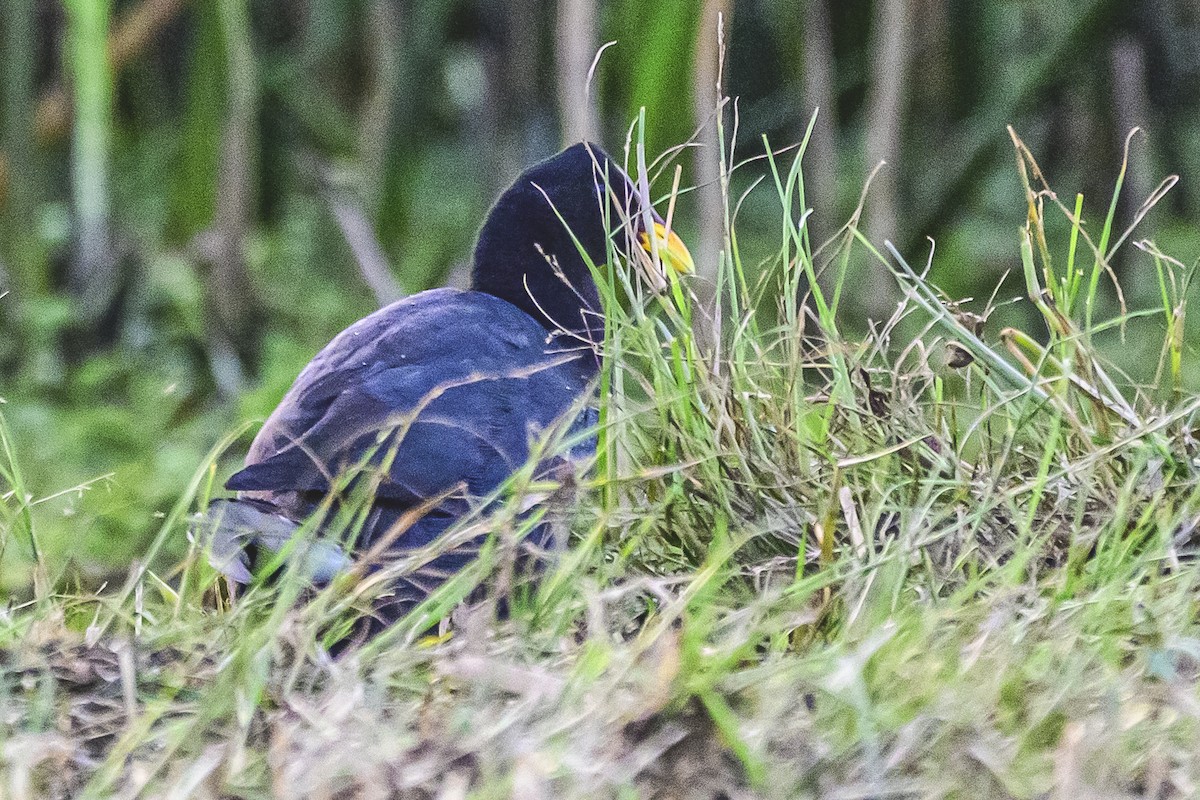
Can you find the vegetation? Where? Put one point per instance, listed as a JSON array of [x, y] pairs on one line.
[[947, 553], [253, 176], [799, 569]]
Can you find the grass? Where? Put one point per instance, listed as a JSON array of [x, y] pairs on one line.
[[805, 565]]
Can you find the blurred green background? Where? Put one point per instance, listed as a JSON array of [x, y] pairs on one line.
[[195, 196]]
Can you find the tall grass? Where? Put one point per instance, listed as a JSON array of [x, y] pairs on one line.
[[940, 561]]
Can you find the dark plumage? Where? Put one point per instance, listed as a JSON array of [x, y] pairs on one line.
[[447, 388]]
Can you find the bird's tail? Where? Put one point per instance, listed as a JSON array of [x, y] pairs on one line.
[[235, 531]]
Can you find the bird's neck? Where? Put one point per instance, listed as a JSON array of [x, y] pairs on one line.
[[564, 300]]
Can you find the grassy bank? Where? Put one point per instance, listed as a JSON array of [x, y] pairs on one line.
[[941, 560]]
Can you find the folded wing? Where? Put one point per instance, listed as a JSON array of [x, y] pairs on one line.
[[444, 389]]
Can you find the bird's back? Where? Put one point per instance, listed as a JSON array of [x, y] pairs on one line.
[[441, 389]]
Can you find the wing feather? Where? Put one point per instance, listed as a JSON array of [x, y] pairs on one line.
[[445, 387]]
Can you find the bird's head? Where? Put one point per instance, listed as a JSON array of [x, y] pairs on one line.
[[528, 251]]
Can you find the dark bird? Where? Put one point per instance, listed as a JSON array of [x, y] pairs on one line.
[[443, 395]]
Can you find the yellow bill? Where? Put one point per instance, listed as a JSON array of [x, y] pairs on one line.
[[671, 249]]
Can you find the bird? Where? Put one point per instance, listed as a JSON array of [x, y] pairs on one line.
[[440, 397]]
